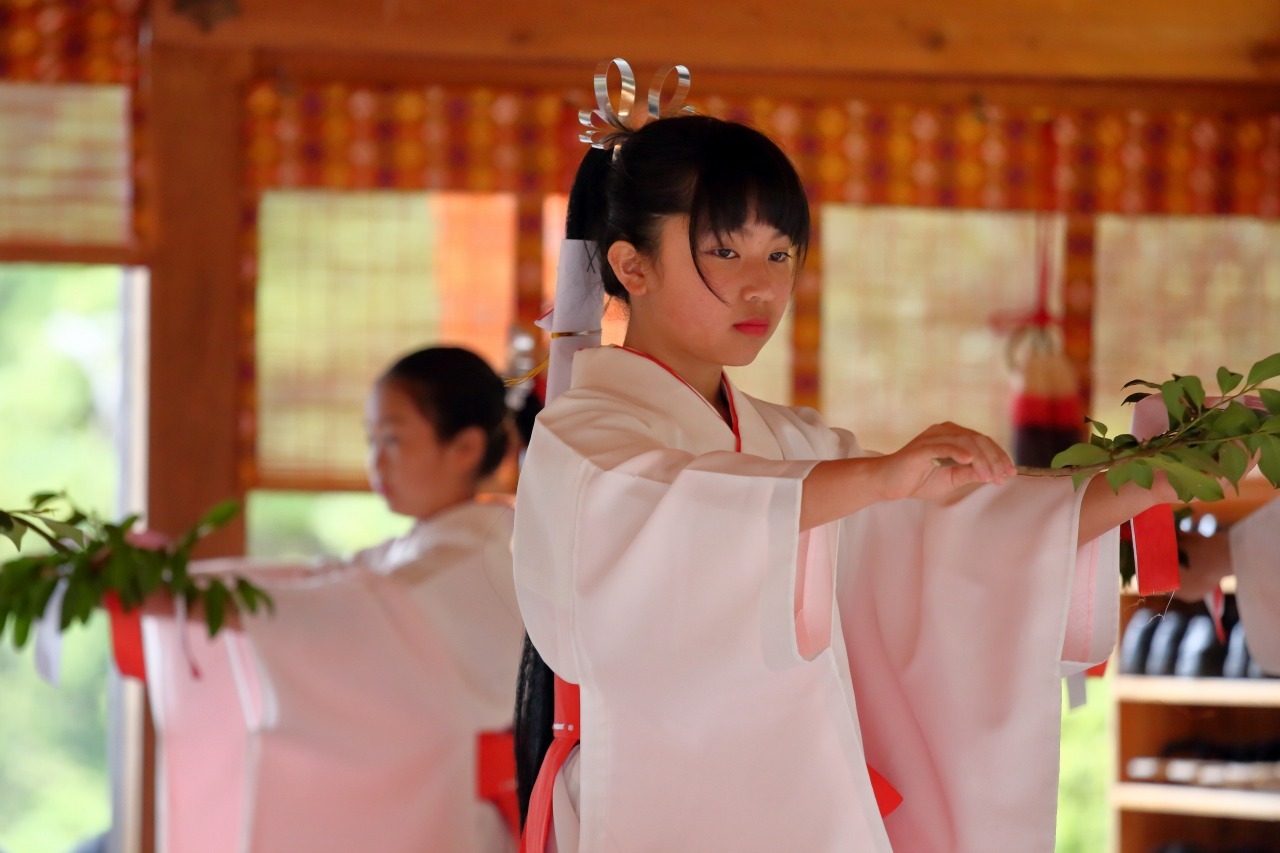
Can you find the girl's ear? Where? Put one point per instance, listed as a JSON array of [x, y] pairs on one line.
[[466, 450], [630, 266]]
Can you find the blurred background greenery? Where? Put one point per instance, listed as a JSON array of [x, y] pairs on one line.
[[60, 385]]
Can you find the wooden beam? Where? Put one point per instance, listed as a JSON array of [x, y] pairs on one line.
[[366, 69], [1236, 41]]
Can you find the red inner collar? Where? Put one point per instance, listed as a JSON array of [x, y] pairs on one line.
[[724, 383]]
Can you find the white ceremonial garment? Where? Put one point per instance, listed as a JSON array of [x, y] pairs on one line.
[[666, 575], [360, 700], [1255, 562]]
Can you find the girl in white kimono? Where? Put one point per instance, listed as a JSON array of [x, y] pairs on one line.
[[372, 710], [752, 610]]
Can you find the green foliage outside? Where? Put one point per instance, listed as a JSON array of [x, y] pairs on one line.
[[60, 372], [1084, 818], [306, 525]]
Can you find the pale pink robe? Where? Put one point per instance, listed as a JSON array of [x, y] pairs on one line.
[[665, 574], [348, 721], [1255, 561]]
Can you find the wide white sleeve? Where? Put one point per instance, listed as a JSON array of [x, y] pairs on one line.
[[1255, 562], [958, 621], [670, 546]]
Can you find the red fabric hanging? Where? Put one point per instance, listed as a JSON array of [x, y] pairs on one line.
[[126, 638], [1155, 551]]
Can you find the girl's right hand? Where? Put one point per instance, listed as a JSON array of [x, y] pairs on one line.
[[940, 460]]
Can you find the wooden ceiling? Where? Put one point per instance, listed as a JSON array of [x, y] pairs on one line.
[[1168, 42]]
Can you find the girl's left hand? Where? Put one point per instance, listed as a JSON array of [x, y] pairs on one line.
[[942, 459]]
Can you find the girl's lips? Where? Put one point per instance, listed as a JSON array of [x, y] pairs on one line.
[[753, 327]]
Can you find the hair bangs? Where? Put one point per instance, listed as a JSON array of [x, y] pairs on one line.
[[744, 178]]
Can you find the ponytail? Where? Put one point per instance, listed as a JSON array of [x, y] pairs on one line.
[[535, 687]]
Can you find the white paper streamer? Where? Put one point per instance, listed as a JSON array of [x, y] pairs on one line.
[[575, 320], [1077, 695], [48, 651]]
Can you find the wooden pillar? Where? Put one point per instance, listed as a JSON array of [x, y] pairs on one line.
[[193, 100], [195, 288]]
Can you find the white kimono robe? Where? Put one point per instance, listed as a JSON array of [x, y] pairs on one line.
[[665, 574], [349, 719]]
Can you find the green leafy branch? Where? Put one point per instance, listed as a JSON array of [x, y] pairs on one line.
[[1207, 441], [98, 558]]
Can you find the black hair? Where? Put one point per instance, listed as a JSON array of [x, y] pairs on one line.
[[456, 389], [720, 174]]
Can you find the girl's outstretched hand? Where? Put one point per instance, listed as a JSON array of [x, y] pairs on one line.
[[940, 460], [934, 465]]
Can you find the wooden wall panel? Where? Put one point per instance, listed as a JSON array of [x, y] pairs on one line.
[[1172, 40]]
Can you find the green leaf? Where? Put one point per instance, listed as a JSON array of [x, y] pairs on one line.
[[248, 595], [1194, 389], [1269, 458], [16, 532], [81, 601], [1119, 475], [215, 606], [1081, 455], [1233, 461], [1196, 458], [1235, 419], [1098, 426], [1268, 368], [220, 514], [1270, 399], [1144, 383], [39, 499], [1143, 475], [1124, 441], [1077, 480], [1271, 425], [1228, 380], [1135, 397], [62, 530], [1172, 392], [21, 628], [1189, 483]]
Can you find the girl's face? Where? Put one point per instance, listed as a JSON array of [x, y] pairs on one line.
[[415, 472], [677, 318]]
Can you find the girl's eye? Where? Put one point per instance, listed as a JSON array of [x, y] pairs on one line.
[[722, 252], [780, 257]]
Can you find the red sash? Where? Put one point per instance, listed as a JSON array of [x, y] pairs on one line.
[[496, 775], [567, 731]]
